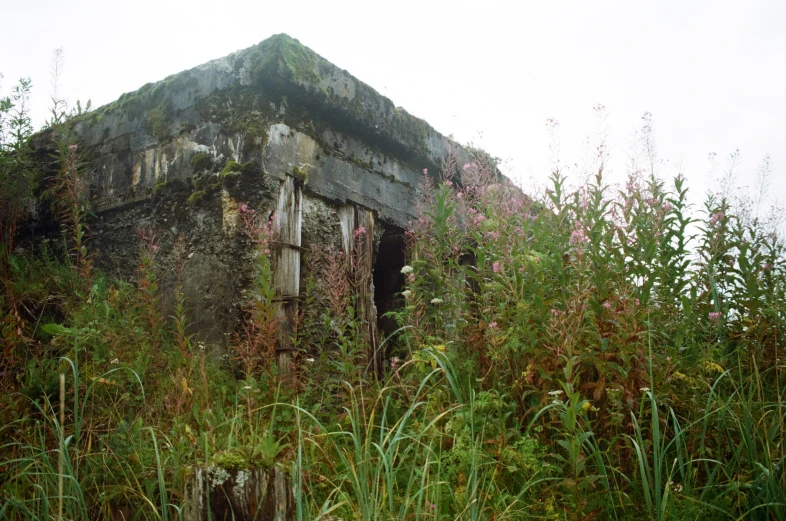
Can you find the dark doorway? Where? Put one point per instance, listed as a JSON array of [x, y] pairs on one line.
[[388, 282]]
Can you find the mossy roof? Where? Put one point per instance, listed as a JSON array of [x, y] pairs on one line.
[[282, 67]]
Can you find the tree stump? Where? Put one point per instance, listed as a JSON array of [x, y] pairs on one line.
[[238, 495]]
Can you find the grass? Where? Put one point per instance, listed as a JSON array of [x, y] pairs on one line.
[[578, 355]]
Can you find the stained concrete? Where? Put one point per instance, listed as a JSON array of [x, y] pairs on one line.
[[162, 157]]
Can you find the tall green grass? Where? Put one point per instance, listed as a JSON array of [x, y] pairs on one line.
[[589, 353]]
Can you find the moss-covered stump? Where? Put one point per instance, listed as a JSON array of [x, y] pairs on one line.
[[238, 495]]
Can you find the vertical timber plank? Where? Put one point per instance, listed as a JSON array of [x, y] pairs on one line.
[[360, 250], [365, 276], [286, 278], [346, 218]]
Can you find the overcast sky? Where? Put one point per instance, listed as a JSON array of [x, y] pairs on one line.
[[712, 73]]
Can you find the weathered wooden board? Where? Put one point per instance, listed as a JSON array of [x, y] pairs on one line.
[[357, 240], [287, 221]]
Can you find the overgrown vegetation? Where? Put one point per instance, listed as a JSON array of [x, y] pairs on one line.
[[579, 354]]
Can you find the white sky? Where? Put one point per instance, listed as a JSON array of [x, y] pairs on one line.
[[712, 73]]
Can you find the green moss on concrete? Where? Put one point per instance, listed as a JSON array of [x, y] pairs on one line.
[[301, 62], [231, 168], [202, 162], [301, 174], [152, 102], [283, 73], [284, 57], [159, 186], [252, 125], [359, 163], [157, 122], [204, 186], [290, 70], [250, 168], [197, 196]]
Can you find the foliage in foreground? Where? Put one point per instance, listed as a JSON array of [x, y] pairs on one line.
[[584, 355]]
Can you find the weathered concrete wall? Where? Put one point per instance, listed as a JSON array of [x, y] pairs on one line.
[[163, 157]]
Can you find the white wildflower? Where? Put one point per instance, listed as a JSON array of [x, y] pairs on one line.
[[406, 269], [645, 389], [437, 301], [555, 393], [406, 294]]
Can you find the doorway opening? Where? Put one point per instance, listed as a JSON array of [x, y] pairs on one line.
[[388, 283]]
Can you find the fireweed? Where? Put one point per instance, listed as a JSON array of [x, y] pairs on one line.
[[619, 284], [255, 345], [578, 354]]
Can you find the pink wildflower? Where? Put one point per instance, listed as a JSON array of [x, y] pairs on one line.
[[555, 312], [578, 237], [714, 315], [244, 208], [607, 305], [425, 171], [72, 147], [497, 267], [717, 217], [492, 325], [360, 231]]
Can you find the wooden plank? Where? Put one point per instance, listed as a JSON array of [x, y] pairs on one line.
[[287, 221], [287, 276], [365, 246], [346, 219], [359, 247]]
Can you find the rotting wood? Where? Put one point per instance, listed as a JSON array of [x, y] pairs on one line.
[[238, 495], [286, 279], [357, 241]]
